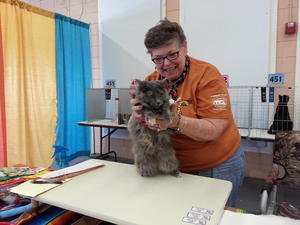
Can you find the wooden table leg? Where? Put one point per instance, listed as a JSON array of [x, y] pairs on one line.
[[35, 205]]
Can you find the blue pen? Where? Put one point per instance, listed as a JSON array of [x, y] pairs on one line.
[[46, 182]]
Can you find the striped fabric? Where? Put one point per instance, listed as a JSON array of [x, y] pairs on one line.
[[48, 216]]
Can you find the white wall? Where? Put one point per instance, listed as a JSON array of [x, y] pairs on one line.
[[237, 36], [123, 25], [297, 83]]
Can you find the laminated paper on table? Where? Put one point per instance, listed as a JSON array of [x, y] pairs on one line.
[[74, 170]]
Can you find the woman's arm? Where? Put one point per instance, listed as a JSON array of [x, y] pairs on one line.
[[204, 129]]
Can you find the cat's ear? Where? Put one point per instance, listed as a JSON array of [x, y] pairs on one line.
[[138, 81], [142, 85]]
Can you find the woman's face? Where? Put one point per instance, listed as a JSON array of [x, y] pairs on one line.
[[170, 60]]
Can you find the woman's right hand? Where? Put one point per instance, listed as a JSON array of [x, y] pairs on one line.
[[135, 105]]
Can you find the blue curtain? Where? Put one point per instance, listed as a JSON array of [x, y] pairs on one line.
[[73, 69]]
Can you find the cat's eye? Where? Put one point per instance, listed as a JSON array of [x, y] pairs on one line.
[[161, 93]]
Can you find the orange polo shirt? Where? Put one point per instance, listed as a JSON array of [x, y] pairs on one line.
[[206, 92]]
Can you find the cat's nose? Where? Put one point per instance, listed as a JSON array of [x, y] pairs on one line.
[[158, 103]]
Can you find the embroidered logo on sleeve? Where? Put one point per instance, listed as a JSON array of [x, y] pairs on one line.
[[219, 101]]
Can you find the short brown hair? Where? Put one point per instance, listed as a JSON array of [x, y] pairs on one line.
[[163, 34]]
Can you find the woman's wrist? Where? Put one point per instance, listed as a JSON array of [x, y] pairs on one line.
[[182, 124], [179, 124], [175, 121]]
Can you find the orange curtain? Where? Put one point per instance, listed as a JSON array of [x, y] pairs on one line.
[[28, 36], [3, 157]]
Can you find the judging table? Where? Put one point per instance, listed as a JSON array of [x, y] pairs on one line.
[[118, 194], [111, 128]]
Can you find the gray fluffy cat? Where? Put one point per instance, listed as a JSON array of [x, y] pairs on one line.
[[153, 151]]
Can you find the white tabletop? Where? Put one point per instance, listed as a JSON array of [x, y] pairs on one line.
[[257, 134], [118, 194], [234, 218], [102, 123]]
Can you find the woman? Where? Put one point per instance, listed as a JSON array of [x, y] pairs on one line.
[[207, 140]]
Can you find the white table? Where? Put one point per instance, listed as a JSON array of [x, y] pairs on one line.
[[257, 134], [118, 194], [105, 123], [233, 218]]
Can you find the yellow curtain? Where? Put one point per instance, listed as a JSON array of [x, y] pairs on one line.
[[30, 82]]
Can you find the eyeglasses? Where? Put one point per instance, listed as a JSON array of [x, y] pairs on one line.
[[170, 57]]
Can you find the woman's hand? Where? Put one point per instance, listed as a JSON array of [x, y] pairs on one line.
[[160, 124], [135, 105]]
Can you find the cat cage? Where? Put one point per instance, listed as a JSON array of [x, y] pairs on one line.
[[261, 111], [108, 104]]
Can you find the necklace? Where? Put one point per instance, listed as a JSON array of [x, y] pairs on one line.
[[173, 88]]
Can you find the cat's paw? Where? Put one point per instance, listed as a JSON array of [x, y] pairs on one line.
[[167, 117], [150, 119], [167, 120], [168, 166], [146, 171], [176, 174]]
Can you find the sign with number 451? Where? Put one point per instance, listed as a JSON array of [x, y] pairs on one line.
[[276, 78]]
